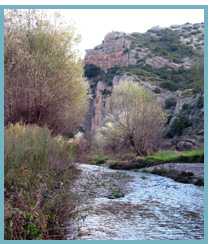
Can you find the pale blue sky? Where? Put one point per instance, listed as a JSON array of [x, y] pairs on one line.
[[93, 25]]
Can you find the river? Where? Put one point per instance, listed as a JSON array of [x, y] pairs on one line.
[[129, 205]]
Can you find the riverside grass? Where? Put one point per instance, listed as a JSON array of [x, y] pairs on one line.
[[160, 157], [191, 156], [38, 175]]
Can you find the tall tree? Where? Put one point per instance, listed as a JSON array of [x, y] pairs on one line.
[[43, 73], [136, 120]]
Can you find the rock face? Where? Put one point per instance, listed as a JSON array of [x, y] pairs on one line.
[[121, 49], [111, 52], [162, 60], [98, 106]]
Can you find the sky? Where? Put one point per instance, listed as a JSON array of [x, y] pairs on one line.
[[93, 25]]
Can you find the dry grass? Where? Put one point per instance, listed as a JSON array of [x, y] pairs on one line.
[[38, 174]]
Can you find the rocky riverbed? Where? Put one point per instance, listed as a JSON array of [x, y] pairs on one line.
[[127, 205]]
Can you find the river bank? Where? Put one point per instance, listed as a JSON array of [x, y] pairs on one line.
[[185, 166]]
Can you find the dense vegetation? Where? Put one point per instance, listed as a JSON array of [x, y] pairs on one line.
[[38, 175], [45, 94], [164, 42], [157, 158], [166, 78], [43, 73], [135, 120], [46, 99]]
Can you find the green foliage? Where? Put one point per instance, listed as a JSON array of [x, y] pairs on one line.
[[169, 85], [109, 75], [38, 174], [178, 124], [160, 157], [192, 156], [165, 43], [43, 73], [139, 70], [173, 79]]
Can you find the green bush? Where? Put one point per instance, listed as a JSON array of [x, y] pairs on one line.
[[166, 44], [178, 78], [168, 85], [178, 125], [38, 174], [109, 75]]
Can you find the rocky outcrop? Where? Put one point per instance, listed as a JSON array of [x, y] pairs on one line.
[[99, 106], [121, 49], [161, 60], [111, 52]]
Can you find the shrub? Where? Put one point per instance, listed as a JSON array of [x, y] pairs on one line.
[[178, 124], [167, 44], [135, 120], [168, 85], [44, 82], [109, 75], [186, 107], [38, 174]]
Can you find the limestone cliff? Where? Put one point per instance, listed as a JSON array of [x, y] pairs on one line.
[[166, 61]]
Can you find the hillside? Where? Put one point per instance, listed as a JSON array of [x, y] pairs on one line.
[[166, 61]]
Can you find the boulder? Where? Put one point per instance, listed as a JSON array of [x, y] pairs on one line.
[[185, 145]]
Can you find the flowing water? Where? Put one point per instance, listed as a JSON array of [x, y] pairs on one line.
[[129, 205]]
